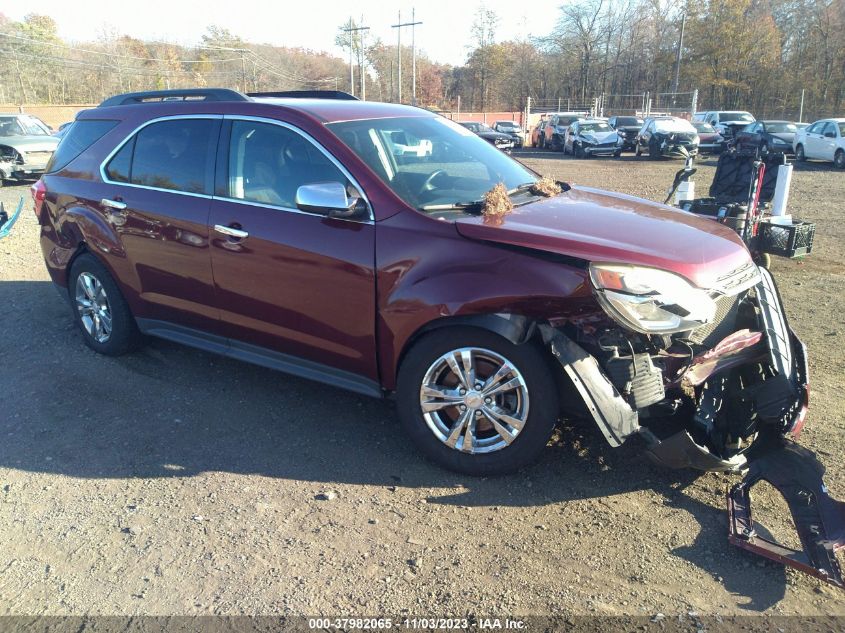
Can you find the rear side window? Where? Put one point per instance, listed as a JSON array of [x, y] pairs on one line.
[[81, 135], [176, 154]]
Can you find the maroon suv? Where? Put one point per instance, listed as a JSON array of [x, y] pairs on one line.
[[300, 234]]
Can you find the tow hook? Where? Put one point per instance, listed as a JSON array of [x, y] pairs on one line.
[[819, 518]]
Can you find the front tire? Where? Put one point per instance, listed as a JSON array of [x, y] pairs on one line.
[[839, 159], [799, 154], [99, 309], [474, 402]]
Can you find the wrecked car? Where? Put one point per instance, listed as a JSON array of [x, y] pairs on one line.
[[25, 147], [290, 233], [667, 136]]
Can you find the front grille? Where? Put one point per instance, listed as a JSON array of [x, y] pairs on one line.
[[724, 323]]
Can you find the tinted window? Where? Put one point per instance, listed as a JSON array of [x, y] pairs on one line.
[[119, 165], [81, 136], [815, 128], [268, 163], [842, 128], [176, 154], [628, 120]]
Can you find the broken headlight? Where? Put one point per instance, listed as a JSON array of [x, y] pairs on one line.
[[649, 300]]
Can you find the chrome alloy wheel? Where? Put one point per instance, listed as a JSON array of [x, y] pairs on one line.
[[93, 306], [474, 400]]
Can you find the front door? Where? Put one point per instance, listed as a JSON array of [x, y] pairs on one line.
[[291, 286]]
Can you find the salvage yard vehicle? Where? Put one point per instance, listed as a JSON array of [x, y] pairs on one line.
[[554, 131], [709, 140], [393, 277], [766, 136], [512, 129], [667, 136], [823, 140], [627, 127], [25, 147], [497, 139], [590, 137], [725, 122]]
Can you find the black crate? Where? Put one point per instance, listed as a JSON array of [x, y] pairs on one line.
[[786, 240]]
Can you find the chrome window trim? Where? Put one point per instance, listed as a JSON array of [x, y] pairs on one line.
[[132, 134], [235, 117], [316, 144]]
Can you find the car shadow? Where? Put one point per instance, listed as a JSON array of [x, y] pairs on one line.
[[172, 411]]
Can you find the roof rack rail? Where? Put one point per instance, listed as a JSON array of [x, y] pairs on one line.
[[307, 94], [188, 94]]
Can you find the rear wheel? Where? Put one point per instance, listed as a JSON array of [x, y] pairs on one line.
[[99, 308], [476, 403], [799, 153], [839, 159]]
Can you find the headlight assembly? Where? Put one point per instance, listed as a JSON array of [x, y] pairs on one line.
[[649, 300]]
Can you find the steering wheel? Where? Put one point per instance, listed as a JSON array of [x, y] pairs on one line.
[[428, 185]]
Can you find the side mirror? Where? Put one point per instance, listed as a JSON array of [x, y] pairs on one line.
[[830, 134], [329, 198]]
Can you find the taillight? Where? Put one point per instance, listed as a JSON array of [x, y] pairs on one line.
[[39, 193]]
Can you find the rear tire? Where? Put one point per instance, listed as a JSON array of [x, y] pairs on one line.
[[99, 309], [531, 403]]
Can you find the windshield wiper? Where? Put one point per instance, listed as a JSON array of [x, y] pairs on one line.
[[470, 207]]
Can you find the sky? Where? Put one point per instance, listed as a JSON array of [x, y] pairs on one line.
[[443, 36]]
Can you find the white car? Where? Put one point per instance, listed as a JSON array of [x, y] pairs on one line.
[[823, 140]]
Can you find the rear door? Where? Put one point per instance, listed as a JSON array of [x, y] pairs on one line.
[[156, 193], [296, 288], [813, 140], [827, 141]]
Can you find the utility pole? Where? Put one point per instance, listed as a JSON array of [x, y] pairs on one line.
[[351, 32], [678, 58], [398, 28]]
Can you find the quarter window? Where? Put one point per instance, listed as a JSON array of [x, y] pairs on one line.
[[268, 163], [176, 154]]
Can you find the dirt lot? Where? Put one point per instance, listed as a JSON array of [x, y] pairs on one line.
[[176, 482]]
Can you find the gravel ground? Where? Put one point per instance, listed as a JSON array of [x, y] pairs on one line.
[[172, 481]]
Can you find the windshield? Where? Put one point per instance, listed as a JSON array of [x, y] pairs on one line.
[[673, 125], [628, 120], [508, 125], [20, 126], [842, 128], [599, 126], [736, 116], [781, 127], [456, 167], [703, 128]]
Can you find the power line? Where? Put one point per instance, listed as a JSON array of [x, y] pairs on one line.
[[93, 52]]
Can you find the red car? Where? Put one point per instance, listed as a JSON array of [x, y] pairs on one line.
[[287, 232]]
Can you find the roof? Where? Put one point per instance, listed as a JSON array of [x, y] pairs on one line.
[[335, 111]]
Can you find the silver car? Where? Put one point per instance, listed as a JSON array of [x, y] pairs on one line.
[[26, 146]]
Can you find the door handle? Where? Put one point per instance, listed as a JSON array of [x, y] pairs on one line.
[[113, 204], [228, 230]]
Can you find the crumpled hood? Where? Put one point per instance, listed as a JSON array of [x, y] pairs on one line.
[[30, 143], [601, 137], [599, 226]]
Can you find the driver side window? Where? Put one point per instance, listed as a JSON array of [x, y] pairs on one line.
[[268, 163]]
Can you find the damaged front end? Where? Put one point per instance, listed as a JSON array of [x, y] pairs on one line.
[[700, 398], [715, 397]]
